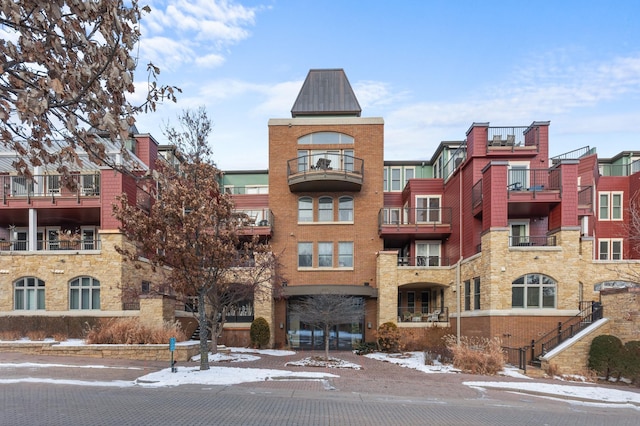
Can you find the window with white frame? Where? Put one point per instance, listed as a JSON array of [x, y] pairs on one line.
[[325, 209], [53, 184], [409, 173], [467, 295], [88, 236], [84, 293], [28, 294], [519, 233], [610, 248], [325, 138], [396, 179], [392, 216], [345, 254], [305, 255], [325, 254], [305, 209], [345, 209], [533, 291], [610, 205], [385, 179], [428, 209], [428, 253], [518, 175]]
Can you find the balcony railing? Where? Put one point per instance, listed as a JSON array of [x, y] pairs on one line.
[[422, 314], [619, 169], [326, 171], [43, 245], [506, 136], [423, 261], [86, 185], [573, 155], [415, 217], [534, 180], [533, 241]]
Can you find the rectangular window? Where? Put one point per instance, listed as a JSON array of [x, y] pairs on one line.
[[467, 295], [345, 254], [395, 179], [428, 253], [424, 300], [476, 293], [428, 209], [392, 216], [610, 249], [519, 233], [305, 255], [409, 173], [385, 180], [325, 255], [610, 206], [411, 301]]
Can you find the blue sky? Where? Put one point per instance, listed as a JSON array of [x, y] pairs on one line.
[[429, 68]]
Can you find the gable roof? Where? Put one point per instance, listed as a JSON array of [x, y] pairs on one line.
[[326, 92]]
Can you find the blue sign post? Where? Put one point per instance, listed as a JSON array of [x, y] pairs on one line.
[[172, 347]]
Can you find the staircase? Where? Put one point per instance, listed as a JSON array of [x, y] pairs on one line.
[[530, 355]]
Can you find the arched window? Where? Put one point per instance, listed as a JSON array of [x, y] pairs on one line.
[[84, 293], [345, 209], [28, 294], [533, 291], [325, 209], [325, 138], [305, 209]]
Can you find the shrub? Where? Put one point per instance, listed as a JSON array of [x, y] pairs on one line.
[[130, 331], [36, 335], [389, 337], [10, 335], [364, 348], [60, 337], [606, 356], [259, 333], [476, 355], [632, 361]]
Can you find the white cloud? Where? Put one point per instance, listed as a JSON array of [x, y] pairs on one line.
[[212, 60]]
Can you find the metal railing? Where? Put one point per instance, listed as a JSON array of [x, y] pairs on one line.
[[506, 136], [534, 180], [423, 261], [86, 185], [590, 312], [457, 158], [44, 245], [532, 241], [573, 155], [419, 314], [619, 169], [416, 217], [327, 162], [476, 194]]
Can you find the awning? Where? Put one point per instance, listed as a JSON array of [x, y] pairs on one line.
[[348, 290]]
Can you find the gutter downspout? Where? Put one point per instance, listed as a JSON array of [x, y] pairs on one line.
[[458, 307]]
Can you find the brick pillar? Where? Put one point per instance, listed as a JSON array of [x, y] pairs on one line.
[[387, 278]]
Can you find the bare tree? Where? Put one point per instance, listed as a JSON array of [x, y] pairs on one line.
[[192, 229], [66, 67], [328, 310]]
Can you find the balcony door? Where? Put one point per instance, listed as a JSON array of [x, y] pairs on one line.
[[428, 253], [428, 209], [519, 233]]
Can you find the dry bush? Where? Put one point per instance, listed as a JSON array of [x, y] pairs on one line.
[[388, 337], [476, 355], [60, 337], [36, 335], [129, 331], [553, 370], [10, 335]]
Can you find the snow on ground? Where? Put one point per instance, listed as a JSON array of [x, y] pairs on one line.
[[227, 375]]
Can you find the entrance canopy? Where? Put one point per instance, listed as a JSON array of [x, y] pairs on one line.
[[350, 290]]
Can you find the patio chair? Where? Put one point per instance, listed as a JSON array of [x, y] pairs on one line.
[[435, 316]]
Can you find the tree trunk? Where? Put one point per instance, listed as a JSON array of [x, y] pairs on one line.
[[326, 342], [204, 332]]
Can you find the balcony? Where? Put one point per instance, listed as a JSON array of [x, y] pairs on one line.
[[325, 172], [423, 261], [532, 241], [424, 315], [506, 140], [48, 187], [256, 222], [50, 245], [416, 223]]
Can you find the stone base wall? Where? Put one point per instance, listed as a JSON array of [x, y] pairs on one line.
[[183, 352]]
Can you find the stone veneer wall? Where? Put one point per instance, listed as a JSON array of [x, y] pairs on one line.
[[621, 309]]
